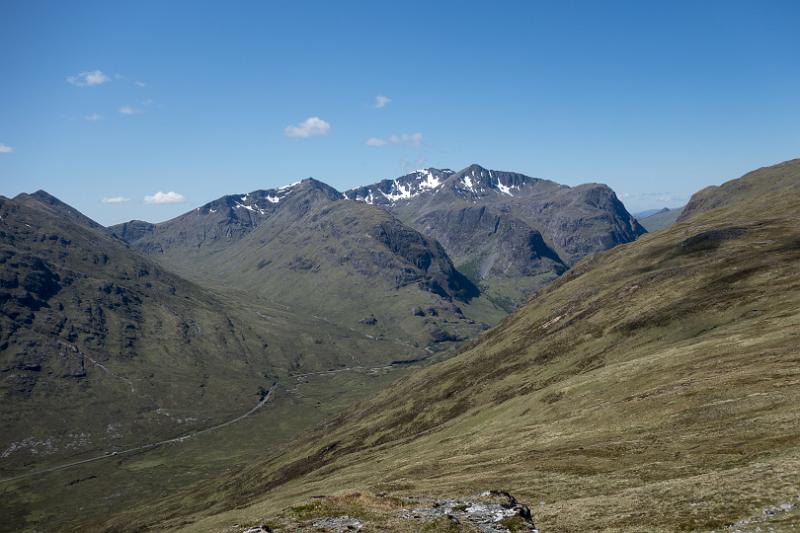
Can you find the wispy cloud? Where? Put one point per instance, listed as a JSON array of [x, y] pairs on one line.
[[381, 102], [310, 127], [165, 198], [88, 78], [114, 200], [93, 117], [129, 110], [5, 149], [411, 139], [140, 84]]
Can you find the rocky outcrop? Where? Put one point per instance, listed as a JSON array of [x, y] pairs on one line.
[[434, 269], [490, 512]]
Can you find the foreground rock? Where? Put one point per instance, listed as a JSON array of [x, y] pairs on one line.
[[489, 512]]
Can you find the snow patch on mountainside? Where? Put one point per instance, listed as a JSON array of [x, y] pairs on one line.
[[289, 186], [506, 189], [399, 192], [431, 181], [405, 188]]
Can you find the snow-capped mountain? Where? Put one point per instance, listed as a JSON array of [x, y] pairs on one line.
[[500, 226]]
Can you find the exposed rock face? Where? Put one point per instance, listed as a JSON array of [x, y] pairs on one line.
[[488, 244], [508, 232], [428, 257], [133, 230], [490, 512]]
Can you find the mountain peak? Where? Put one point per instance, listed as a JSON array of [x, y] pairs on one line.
[[313, 185], [474, 167], [42, 199], [478, 180]]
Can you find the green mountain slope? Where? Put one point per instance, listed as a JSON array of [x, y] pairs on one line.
[[651, 388], [347, 262], [757, 186]]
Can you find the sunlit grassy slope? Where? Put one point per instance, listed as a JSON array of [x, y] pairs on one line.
[[652, 388]]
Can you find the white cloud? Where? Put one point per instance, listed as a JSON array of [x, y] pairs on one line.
[[114, 199], [310, 127], [88, 78], [381, 101], [93, 117], [411, 139], [129, 110], [5, 149], [140, 84], [165, 198]]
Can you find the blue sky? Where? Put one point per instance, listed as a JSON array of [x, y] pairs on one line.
[[128, 99]]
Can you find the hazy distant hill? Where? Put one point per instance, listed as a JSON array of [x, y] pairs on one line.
[[661, 218]]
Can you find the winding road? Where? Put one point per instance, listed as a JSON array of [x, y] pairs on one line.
[[269, 394], [152, 445]]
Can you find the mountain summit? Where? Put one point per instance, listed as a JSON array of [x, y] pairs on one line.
[[509, 233]]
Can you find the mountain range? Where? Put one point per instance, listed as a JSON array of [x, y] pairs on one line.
[[650, 388], [509, 233], [636, 373], [457, 235], [129, 340]]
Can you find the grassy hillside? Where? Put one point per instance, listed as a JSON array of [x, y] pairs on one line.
[[102, 351], [349, 263], [652, 388]]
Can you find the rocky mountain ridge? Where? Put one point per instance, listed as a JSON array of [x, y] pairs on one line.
[[507, 233]]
